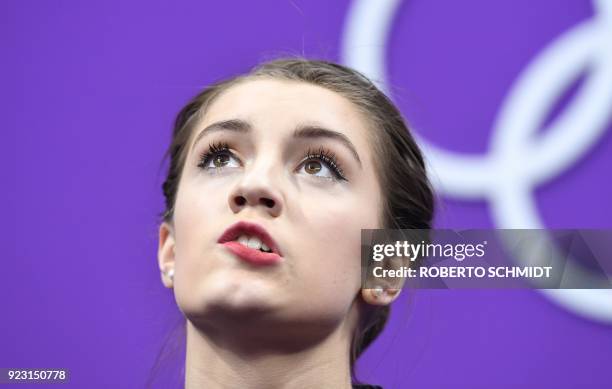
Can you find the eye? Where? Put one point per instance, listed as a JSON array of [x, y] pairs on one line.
[[323, 164], [223, 159], [313, 167], [316, 168], [218, 156]]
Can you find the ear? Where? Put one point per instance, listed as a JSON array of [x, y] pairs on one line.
[[384, 290], [165, 254], [380, 296]]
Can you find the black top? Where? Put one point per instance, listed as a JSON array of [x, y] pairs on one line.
[[366, 386]]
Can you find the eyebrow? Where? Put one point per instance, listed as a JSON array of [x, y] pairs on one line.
[[302, 131], [235, 125]]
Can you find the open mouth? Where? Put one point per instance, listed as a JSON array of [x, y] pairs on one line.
[[251, 243]]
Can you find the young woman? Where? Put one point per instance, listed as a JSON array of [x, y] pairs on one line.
[[272, 176]]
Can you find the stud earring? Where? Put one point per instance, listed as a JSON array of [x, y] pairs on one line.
[[170, 274], [377, 292]]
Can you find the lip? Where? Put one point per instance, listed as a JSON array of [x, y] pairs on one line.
[[247, 254]]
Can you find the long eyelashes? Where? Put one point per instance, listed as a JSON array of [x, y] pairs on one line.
[[327, 157], [214, 149]]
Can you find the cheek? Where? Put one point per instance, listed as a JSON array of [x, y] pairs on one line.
[[343, 218], [197, 221], [191, 209], [197, 213], [334, 241]]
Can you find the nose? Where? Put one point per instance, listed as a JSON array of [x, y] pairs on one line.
[[257, 189]]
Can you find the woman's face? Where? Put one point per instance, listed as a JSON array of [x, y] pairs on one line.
[[295, 159]]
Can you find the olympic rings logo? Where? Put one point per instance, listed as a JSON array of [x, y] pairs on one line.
[[495, 176]]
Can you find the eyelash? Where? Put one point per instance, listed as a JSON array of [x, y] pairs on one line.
[[212, 151], [322, 154], [328, 158]]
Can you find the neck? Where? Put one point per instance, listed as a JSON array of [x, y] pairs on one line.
[[235, 358]]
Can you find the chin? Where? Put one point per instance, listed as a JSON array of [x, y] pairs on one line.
[[233, 300], [246, 298]]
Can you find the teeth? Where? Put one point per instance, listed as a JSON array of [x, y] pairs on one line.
[[253, 242]]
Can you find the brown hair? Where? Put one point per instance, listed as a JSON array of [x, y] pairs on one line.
[[408, 196]]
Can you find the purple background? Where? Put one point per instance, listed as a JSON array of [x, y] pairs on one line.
[[89, 91]]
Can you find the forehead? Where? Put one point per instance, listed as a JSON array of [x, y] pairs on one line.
[[278, 105]]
